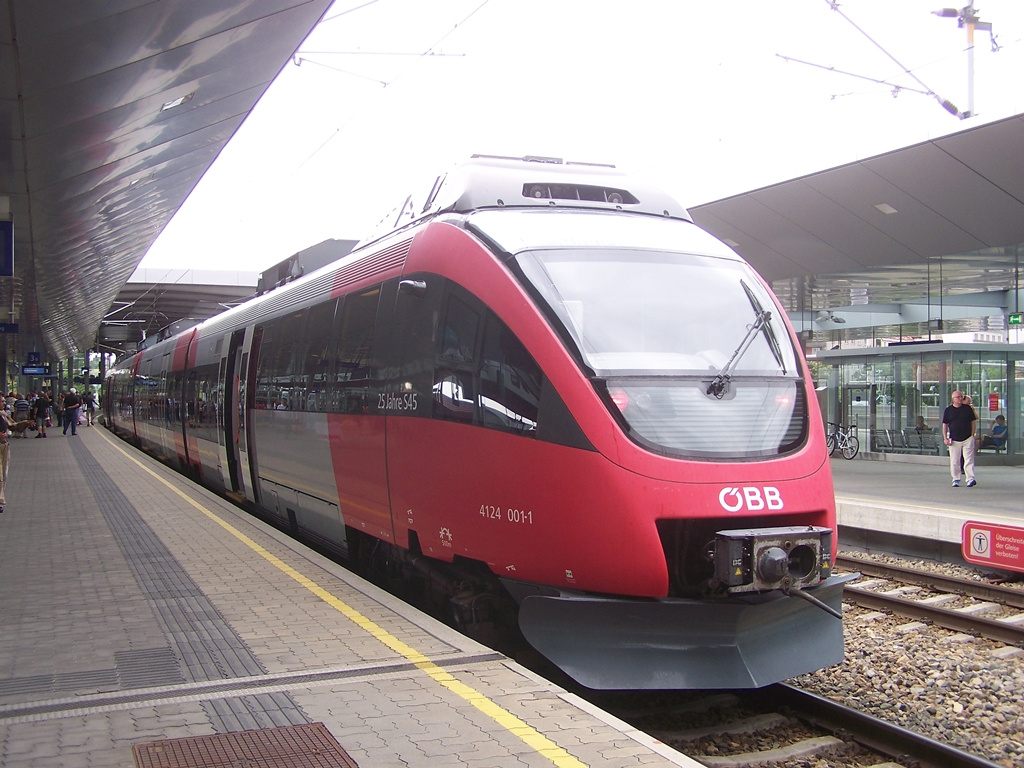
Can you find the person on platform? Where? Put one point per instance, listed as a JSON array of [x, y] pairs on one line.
[[5, 458], [959, 423], [90, 406], [996, 437], [20, 410], [72, 404], [40, 413]]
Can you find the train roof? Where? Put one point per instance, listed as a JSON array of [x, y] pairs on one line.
[[490, 181], [495, 181]]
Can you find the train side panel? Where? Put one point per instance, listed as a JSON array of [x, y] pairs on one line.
[[530, 510], [317, 440]]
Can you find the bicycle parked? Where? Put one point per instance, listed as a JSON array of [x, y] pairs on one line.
[[842, 438]]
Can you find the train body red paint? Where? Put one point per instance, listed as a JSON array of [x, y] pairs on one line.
[[550, 376]]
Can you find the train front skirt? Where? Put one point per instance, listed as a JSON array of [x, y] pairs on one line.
[[748, 642]]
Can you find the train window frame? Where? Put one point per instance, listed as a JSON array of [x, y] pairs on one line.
[[455, 380], [357, 351], [277, 371], [318, 355], [517, 364], [460, 348], [605, 358], [459, 392]]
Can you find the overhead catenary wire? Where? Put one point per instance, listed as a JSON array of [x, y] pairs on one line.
[[946, 104], [896, 88], [429, 52]]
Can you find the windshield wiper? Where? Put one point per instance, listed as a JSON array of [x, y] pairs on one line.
[[762, 322], [769, 332]]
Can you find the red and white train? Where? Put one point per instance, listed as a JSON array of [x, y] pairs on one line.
[[551, 379]]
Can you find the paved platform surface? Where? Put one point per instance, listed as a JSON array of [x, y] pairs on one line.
[[136, 608], [915, 498]]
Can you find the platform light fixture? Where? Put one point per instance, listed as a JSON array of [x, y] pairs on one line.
[[828, 316], [177, 102]]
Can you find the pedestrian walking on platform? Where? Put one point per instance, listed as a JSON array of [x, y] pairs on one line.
[[959, 423], [20, 410], [72, 404], [90, 406], [58, 408], [40, 413]]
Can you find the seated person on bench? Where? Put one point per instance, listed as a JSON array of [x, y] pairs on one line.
[[996, 437]]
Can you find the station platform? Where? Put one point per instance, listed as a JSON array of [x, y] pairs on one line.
[[882, 500], [147, 622]]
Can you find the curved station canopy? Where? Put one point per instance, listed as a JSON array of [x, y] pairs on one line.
[[928, 232], [111, 113]]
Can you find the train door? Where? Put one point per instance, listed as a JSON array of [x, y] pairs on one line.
[[236, 372], [163, 432], [408, 393], [248, 398], [177, 400], [357, 425]]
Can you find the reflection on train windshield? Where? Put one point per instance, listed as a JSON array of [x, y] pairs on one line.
[[652, 312], [659, 329]]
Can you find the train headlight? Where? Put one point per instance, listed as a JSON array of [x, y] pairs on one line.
[[619, 397], [760, 559]]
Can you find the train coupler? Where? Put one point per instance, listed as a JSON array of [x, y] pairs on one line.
[[763, 559]]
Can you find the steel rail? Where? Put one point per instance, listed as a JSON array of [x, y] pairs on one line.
[[872, 732], [991, 592], [1002, 631]]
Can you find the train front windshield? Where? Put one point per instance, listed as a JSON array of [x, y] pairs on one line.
[[676, 330]]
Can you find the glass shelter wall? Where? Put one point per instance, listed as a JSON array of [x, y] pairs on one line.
[[895, 396]]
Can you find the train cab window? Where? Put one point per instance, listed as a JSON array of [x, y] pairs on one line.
[[483, 373], [674, 341], [458, 335], [510, 381], [455, 377], [453, 397]]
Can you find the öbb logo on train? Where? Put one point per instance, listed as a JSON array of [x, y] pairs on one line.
[[751, 497]]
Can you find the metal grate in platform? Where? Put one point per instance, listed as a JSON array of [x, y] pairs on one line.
[[293, 746]]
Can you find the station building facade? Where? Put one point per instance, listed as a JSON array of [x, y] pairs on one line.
[[895, 395]]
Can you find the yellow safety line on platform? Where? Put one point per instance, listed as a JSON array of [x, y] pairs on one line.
[[503, 717]]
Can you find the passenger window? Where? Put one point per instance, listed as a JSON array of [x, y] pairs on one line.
[[318, 356], [279, 374], [356, 366]]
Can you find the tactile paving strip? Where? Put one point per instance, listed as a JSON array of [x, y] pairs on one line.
[[293, 746]]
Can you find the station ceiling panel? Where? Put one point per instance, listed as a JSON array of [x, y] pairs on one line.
[[109, 115]]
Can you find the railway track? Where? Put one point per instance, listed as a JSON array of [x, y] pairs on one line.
[[783, 725], [962, 605]]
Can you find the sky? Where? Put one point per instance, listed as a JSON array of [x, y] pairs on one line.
[[705, 99]]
